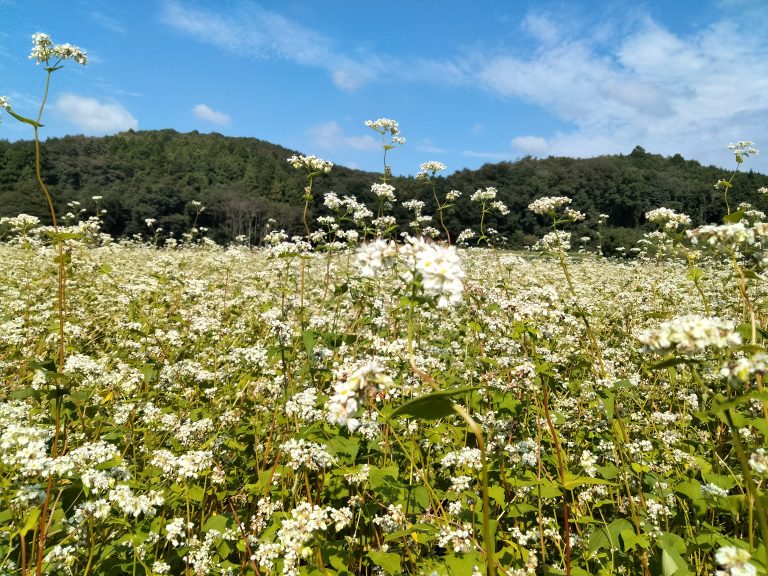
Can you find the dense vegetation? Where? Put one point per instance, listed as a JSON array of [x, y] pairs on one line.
[[243, 182]]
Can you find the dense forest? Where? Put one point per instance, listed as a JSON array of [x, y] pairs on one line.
[[244, 182]]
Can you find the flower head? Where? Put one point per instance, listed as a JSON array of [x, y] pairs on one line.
[[430, 169], [735, 562], [484, 195], [44, 50], [439, 269], [386, 126], [311, 164], [690, 334], [667, 217], [743, 149], [548, 204]]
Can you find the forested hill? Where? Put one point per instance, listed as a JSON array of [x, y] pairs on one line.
[[244, 181]]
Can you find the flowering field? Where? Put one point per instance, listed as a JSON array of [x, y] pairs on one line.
[[228, 411], [339, 403]]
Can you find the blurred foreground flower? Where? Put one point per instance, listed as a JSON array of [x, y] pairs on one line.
[[690, 334]]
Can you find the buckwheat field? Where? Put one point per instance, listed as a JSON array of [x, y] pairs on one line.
[[366, 399]]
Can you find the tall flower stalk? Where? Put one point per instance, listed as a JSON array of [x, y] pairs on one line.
[[51, 56], [427, 174]]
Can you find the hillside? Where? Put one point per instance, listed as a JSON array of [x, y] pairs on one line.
[[245, 181]]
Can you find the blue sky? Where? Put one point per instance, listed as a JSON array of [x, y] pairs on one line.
[[469, 82]]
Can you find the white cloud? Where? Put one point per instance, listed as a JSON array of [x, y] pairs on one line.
[[541, 27], [330, 136], [669, 93], [93, 116], [618, 80], [533, 145], [427, 146], [111, 24], [497, 156], [266, 34], [203, 112]]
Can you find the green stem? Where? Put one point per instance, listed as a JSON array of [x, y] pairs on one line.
[[489, 544]]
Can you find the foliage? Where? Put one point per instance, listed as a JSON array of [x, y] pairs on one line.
[[244, 182]]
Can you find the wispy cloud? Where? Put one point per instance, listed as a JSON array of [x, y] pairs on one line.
[[498, 156], [94, 117], [330, 136], [428, 147], [111, 24], [533, 145], [692, 94], [207, 114], [255, 32], [614, 82]]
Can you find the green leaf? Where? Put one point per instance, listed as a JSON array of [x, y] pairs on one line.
[[571, 481], [389, 561], [216, 522], [309, 337], [672, 564], [631, 540], [497, 494], [30, 522], [23, 119], [733, 217], [673, 361], [463, 564], [432, 406], [695, 274], [608, 472], [195, 493]]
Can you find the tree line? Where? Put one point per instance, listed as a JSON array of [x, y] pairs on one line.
[[245, 182]]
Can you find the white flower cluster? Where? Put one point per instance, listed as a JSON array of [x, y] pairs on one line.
[[554, 241], [386, 126], [452, 196], [384, 192], [374, 256], [176, 531], [185, 466], [742, 369], [469, 457], [457, 539], [667, 217], [359, 477], [25, 447], [5, 104], [758, 461], [296, 533], [393, 520], [548, 204], [123, 497], [743, 149], [309, 455], [483, 195], [302, 405], [734, 561], [460, 483], [690, 334], [439, 269], [500, 207], [432, 167], [350, 393], [311, 163], [465, 235], [44, 50], [351, 206]]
